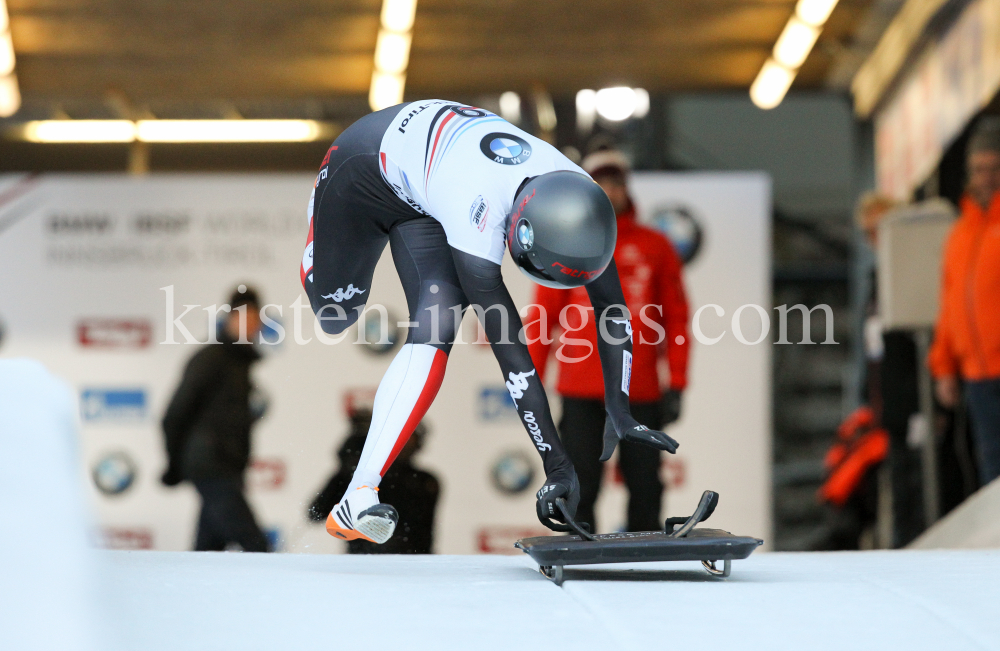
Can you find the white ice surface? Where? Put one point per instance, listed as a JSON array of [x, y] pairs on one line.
[[870, 600]]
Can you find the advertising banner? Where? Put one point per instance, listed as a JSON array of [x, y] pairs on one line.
[[108, 278]]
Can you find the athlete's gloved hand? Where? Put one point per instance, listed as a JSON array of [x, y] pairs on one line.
[[670, 407], [558, 484], [628, 429]]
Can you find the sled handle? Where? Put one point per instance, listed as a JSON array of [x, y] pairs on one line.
[[706, 506], [583, 533]]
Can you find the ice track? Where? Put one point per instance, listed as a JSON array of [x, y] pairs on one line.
[[871, 600]]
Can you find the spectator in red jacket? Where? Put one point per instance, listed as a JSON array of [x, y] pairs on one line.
[[651, 278]]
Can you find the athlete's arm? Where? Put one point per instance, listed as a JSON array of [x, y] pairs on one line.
[[614, 345], [484, 287]]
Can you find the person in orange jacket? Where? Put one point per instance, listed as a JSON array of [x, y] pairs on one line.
[[967, 337], [654, 292]]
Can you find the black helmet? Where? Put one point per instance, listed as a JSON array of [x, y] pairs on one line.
[[562, 229]]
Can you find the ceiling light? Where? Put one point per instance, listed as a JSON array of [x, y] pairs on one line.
[[641, 103], [6, 54], [49, 131], [795, 43], [80, 131], [228, 130], [616, 104], [397, 15], [386, 90], [392, 52], [815, 12], [10, 96], [771, 84], [510, 107], [545, 111], [4, 18], [586, 109]]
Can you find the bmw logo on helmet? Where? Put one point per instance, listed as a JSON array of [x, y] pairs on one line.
[[505, 148], [525, 234]]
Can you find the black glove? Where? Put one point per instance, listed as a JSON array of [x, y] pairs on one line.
[[564, 485], [670, 407], [629, 429], [172, 476]]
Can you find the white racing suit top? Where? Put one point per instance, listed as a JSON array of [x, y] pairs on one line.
[[462, 166]]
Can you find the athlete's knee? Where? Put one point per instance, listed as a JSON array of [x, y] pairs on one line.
[[334, 319], [438, 316]]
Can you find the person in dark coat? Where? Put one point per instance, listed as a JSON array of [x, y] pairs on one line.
[[207, 429], [414, 491]]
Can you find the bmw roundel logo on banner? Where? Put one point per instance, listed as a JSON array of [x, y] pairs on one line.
[[682, 227], [505, 148], [114, 473]]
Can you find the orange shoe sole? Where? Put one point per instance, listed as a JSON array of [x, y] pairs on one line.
[[334, 529]]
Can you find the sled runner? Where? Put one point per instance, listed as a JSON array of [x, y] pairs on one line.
[[680, 541]]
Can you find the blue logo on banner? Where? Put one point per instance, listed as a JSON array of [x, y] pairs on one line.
[[121, 405], [495, 403]]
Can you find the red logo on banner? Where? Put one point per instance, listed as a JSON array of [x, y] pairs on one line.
[[114, 333], [267, 474], [500, 540], [122, 538]]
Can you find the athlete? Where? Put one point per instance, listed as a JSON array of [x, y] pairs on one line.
[[449, 187]]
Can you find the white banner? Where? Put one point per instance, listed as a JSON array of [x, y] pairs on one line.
[[85, 260], [951, 81]]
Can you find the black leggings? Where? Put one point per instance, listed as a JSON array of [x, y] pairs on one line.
[[226, 517], [581, 429], [355, 214]]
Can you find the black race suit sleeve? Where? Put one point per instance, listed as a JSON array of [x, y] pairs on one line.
[[484, 288], [614, 346]]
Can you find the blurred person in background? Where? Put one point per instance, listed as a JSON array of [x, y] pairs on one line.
[[207, 429], [966, 349], [863, 441], [890, 390], [414, 491], [650, 272]]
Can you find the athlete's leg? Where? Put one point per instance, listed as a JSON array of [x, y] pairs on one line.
[[435, 302], [581, 430], [640, 466], [419, 250], [350, 211]]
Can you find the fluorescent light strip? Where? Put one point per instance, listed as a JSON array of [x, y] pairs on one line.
[[815, 12], [795, 43], [10, 94], [227, 130], [790, 51], [398, 15], [80, 131], [176, 131], [392, 53], [771, 84], [6, 54]]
